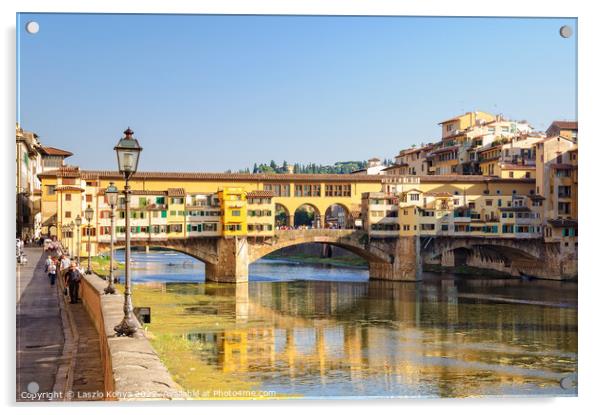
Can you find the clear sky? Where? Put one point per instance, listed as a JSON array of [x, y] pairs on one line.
[[210, 93]]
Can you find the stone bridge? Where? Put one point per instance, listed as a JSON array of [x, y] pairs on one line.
[[228, 259], [515, 256], [394, 259]]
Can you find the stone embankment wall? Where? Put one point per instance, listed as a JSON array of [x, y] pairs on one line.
[[132, 369]]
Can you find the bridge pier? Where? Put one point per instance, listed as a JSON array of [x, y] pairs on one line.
[[405, 264], [232, 263]]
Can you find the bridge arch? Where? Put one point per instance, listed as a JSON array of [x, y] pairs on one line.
[[282, 215], [203, 249], [307, 214], [352, 241], [338, 216]]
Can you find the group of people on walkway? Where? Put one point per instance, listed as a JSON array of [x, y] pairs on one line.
[[70, 272]]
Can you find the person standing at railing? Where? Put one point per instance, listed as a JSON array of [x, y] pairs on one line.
[[73, 277]]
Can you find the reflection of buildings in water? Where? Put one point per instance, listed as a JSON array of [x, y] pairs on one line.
[[388, 333]]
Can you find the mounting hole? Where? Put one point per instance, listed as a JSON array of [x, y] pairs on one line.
[[566, 31], [32, 27]]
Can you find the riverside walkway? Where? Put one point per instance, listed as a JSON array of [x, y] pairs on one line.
[[58, 349]]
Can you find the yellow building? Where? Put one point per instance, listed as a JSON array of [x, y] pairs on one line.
[[454, 127], [233, 205]]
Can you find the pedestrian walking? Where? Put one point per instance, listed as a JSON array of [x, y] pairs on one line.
[[47, 263], [52, 272], [73, 277]]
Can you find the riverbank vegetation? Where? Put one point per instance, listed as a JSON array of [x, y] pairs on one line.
[[100, 265], [339, 261]]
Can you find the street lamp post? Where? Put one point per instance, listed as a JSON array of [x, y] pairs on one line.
[[78, 223], [71, 239], [128, 152], [112, 193], [89, 214]]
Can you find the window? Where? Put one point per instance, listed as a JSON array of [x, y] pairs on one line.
[[174, 228], [338, 190], [414, 196], [88, 198], [50, 189], [235, 212], [279, 190], [307, 190], [67, 213], [68, 197]]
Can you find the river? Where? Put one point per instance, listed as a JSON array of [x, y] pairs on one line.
[[298, 330]]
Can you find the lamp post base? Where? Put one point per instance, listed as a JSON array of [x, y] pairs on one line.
[[127, 327]]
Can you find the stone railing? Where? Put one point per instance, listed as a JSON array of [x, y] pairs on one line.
[[132, 369]]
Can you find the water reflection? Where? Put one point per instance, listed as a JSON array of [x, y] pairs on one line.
[[443, 337]]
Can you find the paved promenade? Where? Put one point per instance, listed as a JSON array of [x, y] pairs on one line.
[[53, 339], [40, 336]]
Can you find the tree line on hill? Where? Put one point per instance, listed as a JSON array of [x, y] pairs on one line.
[[340, 167]]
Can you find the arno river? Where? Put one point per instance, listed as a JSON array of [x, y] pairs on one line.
[[311, 331]]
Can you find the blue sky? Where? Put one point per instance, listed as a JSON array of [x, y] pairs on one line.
[[210, 93]]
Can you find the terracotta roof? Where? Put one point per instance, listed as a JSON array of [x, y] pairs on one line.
[[53, 151], [450, 120], [70, 188], [565, 125], [459, 178], [359, 171], [101, 192], [480, 150], [536, 197], [394, 166], [543, 140], [563, 223], [176, 192], [259, 177], [445, 149], [260, 193], [415, 149]]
